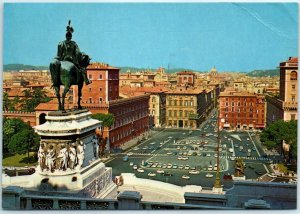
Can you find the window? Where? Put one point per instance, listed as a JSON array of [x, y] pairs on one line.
[[293, 98], [180, 102], [175, 113], [175, 102], [90, 89], [226, 109], [153, 106], [180, 113], [100, 89], [192, 103], [100, 76], [293, 116], [293, 75], [100, 99], [153, 112], [170, 113], [293, 86], [232, 109], [90, 76], [232, 104], [170, 102], [90, 100], [153, 99]]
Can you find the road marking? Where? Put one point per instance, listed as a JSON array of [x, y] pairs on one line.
[[266, 168], [254, 144], [109, 160], [232, 147]]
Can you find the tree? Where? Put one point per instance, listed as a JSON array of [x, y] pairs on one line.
[[33, 98], [22, 142], [10, 128], [13, 127], [10, 105], [107, 119], [278, 131]]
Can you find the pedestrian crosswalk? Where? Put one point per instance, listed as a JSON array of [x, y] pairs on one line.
[[222, 157], [247, 158]]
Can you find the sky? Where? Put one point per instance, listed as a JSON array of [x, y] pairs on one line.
[[198, 36]]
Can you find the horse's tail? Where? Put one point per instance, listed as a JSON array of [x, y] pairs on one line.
[[55, 72]]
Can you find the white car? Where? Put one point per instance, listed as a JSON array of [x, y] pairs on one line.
[[135, 167], [178, 147], [185, 177], [208, 155], [160, 171], [140, 170], [184, 158], [210, 168], [187, 167], [194, 172], [135, 148], [248, 139], [129, 154], [131, 164], [151, 174], [179, 158]]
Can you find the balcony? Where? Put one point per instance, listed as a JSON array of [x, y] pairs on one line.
[[290, 105]]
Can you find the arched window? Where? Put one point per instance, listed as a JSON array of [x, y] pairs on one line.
[[293, 75]]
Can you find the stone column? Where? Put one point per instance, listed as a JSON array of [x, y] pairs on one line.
[[129, 200], [11, 197]]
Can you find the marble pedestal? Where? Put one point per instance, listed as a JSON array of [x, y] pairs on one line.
[[68, 158]]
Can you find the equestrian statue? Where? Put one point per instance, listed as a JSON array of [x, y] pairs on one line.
[[69, 68]]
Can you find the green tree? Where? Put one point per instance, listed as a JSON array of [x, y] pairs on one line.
[[23, 142], [10, 105], [13, 127], [33, 98], [278, 131], [10, 128], [107, 119]]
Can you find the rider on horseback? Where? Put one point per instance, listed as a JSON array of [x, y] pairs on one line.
[[68, 51]]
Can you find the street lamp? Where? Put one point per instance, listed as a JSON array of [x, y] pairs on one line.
[[217, 185]]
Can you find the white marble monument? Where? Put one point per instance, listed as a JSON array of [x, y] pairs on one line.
[[68, 158]]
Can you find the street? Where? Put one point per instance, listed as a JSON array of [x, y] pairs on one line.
[[189, 157]]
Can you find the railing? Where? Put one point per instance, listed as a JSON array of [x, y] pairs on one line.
[[293, 105], [64, 203]]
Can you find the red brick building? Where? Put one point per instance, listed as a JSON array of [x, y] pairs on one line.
[[241, 110], [104, 87], [102, 96]]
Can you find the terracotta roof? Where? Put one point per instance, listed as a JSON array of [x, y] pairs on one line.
[[293, 59], [185, 72], [185, 91], [100, 65], [237, 94]]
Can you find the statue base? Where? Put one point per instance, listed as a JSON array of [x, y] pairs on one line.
[[68, 162]]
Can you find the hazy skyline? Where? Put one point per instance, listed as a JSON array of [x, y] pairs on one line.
[[199, 36]]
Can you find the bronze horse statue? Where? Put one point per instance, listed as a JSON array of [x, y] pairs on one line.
[[67, 74]]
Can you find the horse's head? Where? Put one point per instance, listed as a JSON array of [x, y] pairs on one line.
[[85, 60]]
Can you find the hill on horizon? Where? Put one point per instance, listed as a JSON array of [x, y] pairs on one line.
[[264, 73]]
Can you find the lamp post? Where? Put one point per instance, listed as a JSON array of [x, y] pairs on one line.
[[217, 186]]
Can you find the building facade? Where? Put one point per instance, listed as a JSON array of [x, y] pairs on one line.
[[185, 78], [187, 108], [102, 96], [241, 111], [285, 106]]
